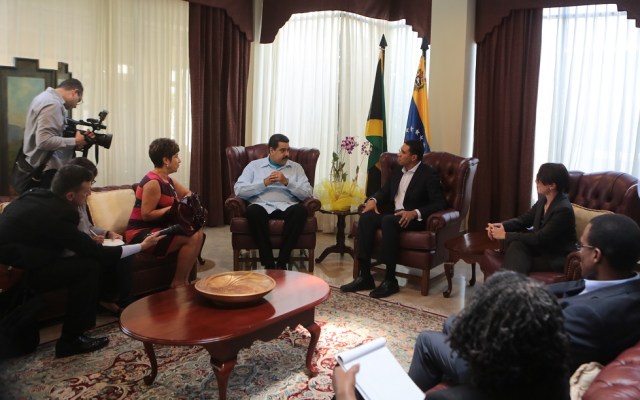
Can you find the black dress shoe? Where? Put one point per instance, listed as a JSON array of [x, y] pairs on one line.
[[78, 345], [386, 289], [359, 283]]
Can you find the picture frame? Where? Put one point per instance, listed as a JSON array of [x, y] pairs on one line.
[[18, 86]]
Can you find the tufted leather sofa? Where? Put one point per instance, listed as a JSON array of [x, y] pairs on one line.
[[613, 191], [238, 157], [620, 379], [150, 274], [425, 250]]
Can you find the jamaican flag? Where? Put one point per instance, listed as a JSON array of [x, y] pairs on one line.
[[376, 131]]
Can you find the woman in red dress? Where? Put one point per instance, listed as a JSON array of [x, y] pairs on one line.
[[154, 196]]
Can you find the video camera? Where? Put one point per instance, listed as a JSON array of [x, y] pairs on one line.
[[101, 139]]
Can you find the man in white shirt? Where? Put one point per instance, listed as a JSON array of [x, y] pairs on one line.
[[412, 193], [275, 186]]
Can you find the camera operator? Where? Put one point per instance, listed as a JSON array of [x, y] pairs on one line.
[[45, 149]]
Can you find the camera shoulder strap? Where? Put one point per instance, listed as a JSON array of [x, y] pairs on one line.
[[21, 160]]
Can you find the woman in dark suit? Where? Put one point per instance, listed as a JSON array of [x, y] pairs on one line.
[[540, 239]]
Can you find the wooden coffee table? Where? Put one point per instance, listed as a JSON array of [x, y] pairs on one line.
[[182, 317]]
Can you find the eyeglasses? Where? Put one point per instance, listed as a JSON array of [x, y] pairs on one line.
[[581, 246]]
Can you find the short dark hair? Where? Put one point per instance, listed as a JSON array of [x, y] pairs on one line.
[[416, 147], [618, 238], [554, 173], [161, 148], [275, 139], [512, 335], [84, 163], [72, 84], [70, 178]]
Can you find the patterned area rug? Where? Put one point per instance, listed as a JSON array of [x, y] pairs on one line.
[[271, 370]]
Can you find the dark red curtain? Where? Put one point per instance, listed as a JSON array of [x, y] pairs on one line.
[[417, 13], [507, 69], [219, 67], [489, 13]]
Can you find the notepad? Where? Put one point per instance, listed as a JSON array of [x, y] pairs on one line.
[[381, 377]]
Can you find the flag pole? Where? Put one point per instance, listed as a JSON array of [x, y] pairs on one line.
[[375, 129]]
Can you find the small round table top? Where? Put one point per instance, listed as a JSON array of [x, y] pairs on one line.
[[473, 243], [339, 212]]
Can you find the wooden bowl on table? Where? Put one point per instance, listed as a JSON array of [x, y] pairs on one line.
[[235, 287]]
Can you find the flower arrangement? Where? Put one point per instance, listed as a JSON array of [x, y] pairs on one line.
[[339, 193]]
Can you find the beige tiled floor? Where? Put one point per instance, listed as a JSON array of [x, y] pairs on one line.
[[336, 270]]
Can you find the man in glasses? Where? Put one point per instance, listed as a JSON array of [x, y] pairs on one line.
[[602, 311], [45, 149]]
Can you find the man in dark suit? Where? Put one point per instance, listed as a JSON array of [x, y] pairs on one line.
[[601, 312], [412, 193], [36, 228]]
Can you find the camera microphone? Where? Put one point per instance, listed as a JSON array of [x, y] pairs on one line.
[[102, 115], [172, 230]]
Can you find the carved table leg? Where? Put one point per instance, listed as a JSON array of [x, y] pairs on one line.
[[223, 371], [148, 348], [448, 271], [473, 274], [314, 330]]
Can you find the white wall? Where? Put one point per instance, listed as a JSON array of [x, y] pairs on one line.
[[451, 79]]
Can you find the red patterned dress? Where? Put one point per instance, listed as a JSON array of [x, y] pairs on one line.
[[137, 229]]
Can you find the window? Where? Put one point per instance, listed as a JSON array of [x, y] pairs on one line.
[[588, 114], [314, 83]]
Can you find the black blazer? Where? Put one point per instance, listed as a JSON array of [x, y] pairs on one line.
[[423, 193], [553, 233], [36, 228], [601, 323]]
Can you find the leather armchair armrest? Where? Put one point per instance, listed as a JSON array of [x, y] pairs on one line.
[[440, 219], [312, 205], [573, 267], [236, 206]]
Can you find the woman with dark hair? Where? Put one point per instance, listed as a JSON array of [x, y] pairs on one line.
[[512, 337], [154, 196], [540, 239]]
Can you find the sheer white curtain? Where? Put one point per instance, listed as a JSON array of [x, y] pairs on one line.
[[132, 58], [315, 81], [588, 114]]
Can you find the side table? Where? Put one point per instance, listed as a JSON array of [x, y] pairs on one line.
[[469, 247], [339, 247]]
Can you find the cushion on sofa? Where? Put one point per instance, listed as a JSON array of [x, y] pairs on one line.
[[584, 216], [582, 379], [111, 209]]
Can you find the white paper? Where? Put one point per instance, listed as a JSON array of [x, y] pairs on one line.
[[381, 377], [112, 242]]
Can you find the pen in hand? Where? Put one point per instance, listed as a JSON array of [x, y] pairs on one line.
[[97, 238]]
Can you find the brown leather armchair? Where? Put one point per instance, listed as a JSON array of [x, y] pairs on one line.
[[238, 157], [610, 190], [425, 249]]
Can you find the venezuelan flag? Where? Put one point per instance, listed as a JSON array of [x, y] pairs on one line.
[[418, 120], [376, 130]]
